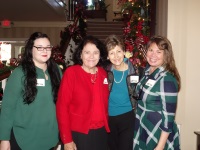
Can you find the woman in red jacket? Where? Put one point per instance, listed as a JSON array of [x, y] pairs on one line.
[[82, 106]]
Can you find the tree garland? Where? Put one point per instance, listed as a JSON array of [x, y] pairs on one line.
[[75, 30]]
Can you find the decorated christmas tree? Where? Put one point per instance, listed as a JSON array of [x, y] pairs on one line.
[[136, 15]]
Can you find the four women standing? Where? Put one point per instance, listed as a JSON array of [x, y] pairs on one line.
[[28, 117]]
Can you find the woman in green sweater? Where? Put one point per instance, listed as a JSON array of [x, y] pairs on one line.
[[28, 118]]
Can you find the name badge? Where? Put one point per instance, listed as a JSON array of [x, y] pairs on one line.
[[150, 82], [134, 79], [40, 82], [105, 81]]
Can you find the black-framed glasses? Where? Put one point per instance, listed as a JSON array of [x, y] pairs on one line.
[[39, 48]]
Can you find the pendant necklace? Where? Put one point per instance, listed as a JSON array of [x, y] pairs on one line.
[[93, 78]]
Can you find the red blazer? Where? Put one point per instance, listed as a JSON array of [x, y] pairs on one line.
[[75, 101]]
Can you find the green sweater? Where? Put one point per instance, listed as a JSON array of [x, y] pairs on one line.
[[34, 125]]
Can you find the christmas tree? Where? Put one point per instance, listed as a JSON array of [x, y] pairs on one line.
[[136, 15]]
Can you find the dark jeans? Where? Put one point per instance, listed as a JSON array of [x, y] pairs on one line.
[[96, 139], [122, 131]]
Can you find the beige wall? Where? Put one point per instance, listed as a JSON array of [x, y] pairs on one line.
[[22, 30], [183, 31], [110, 13], [161, 17]]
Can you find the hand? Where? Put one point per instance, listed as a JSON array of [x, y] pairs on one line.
[[5, 145], [70, 146]]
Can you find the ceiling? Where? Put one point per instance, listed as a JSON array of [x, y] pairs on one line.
[[31, 10]]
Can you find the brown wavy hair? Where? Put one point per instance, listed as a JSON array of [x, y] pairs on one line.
[[169, 62]]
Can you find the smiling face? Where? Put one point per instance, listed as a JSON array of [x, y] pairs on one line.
[[155, 56], [116, 56], [90, 56], [41, 57]]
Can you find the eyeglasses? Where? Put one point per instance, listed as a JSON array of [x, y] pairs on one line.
[[42, 48]]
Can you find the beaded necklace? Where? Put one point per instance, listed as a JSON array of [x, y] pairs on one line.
[[120, 79]]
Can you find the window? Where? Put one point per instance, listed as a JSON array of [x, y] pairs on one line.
[[5, 51]]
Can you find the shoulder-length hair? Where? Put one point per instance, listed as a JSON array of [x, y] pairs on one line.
[[29, 69], [93, 40], [169, 62]]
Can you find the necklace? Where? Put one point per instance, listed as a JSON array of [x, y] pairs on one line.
[[120, 79], [93, 78]]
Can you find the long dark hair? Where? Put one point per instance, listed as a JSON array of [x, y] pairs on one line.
[[169, 62], [29, 69], [93, 40]]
